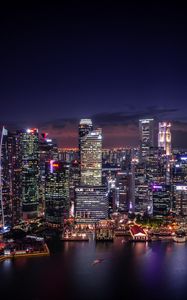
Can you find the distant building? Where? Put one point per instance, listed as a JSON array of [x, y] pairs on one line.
[[48, 150], [164, 137], [123, 191], [156, 166], [161, 197], [180, 199], [146, 129], [142, 200]]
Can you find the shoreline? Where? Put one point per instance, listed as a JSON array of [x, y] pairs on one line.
[[36, 254]]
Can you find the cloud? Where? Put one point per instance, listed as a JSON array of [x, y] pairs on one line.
[[131, 116], [119, 128]]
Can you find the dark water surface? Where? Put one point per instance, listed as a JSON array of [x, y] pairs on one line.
[[157, 270]]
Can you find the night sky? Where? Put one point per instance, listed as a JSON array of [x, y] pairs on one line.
[[114, 63]]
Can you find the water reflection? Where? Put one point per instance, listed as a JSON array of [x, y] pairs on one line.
[[156, 270]]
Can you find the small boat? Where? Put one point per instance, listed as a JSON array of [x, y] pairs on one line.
[[97, 261]]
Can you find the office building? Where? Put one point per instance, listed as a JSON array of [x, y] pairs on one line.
[[91, 158], [161, 198], [29, 155], [91, 203], [56, 193], [85, 127], [164, 137], [146, 130], [180, 199], [5, 181]]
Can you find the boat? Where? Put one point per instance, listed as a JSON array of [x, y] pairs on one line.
[[97, 261]]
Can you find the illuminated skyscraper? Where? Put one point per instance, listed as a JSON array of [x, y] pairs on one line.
[[85, 127], [48, 151], [91, 203], [161, 198], [5, 181], [56, 193], [164, 137], [146, 128], [180, 199], [91, 158], [10, 185], [29, 155]]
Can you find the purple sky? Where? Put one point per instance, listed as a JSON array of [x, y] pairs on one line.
[[109, 61]]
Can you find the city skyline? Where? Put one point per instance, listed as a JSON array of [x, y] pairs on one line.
[[124, 135], [93, 150]]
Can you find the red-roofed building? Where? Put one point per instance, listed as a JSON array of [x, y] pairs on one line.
[[138, 233], [2, 245]]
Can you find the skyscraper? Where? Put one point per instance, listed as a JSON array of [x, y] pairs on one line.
[[91, 197], [91, 203], [29, 155], [146, 129], [5, 181], [56, 193], [161, 198], [91, 158], [47, 151], [85, 127], [164, 137], [10, 179]]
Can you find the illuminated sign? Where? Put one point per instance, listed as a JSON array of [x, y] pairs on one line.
[[157, 187]]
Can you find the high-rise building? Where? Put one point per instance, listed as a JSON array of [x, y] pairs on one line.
[[180, 199], [10, 186], [91, 203], [142, 200], [56, 193], [91, 158], [161, 198], [85, 127], [47, 151], [74, 180], [5, 181], [156, 166], [146, 129], [164, 137], [123, 191], [29, 154]]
